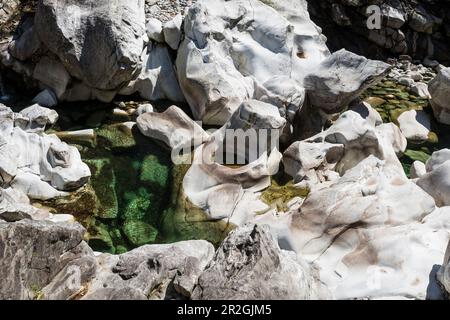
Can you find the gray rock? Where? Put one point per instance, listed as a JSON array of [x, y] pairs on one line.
[[439, 89], [341, 78], [99, 42], [36, 258], [39, 160], [157, 79], [154, 30], [172, 31], [172, 127], [152, 272], [422, 21], [250, 265], [39, 117], [52, 74], [46, 98], [443, 275], [24, 47]]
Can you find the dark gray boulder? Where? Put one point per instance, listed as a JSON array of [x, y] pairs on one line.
[[98, 41], [43, 260], [249, 265]]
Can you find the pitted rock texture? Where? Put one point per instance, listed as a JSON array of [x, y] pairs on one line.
[[250, 265], [36, 257]]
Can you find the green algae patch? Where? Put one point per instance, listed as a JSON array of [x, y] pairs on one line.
[[154, 173], [139, 233], [279, 195], [391, 100], [103, 181], [417, 155], [130, 186], [82, 204], [117, 136], [398, 100], [136, 204]]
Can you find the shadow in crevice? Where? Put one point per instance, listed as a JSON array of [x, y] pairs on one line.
[[434, 290]]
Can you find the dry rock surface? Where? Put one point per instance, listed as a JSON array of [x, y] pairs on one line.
[[319, 190]]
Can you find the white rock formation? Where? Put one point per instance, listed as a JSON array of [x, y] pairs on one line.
[[233, 47], [154, 30], [172, 127], [360, 139], [362, 231], [37, 118], [15, 206], [415, 125], [144, 108], [35, 163], [439, 89], [341, 78], [417, 170], [172, 31], [228, 193], [368, 113], [313, 162], [157, 79], [436, 181]]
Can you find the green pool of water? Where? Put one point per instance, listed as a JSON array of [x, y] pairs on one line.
[[391, 99], [135, 194]]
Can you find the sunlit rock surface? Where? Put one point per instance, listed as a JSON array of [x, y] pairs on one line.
[[233, 47]]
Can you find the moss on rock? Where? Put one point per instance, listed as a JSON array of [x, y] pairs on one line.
[[103, 180], [139, 233]]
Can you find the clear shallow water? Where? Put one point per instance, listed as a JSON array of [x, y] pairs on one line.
[[134, 197], [391, 100]]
